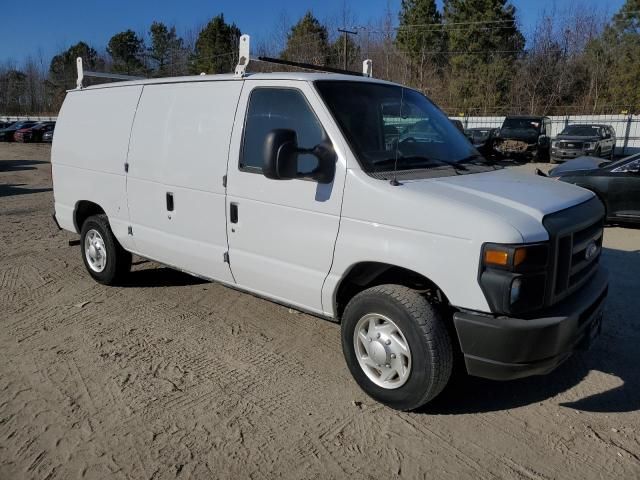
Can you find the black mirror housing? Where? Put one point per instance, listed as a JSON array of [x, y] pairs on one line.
[[280, 155], [326, 163]]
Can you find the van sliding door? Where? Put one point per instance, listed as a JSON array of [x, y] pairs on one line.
[[177, 162]]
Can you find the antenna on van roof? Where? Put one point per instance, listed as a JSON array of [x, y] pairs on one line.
[[88, 73], [244, 57]]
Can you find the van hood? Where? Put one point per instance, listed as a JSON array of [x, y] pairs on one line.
[[520, 199], [504, 206]]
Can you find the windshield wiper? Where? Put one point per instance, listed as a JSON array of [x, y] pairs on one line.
[[477, 159], [430, 162]]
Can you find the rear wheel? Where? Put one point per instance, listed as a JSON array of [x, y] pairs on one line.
[[105, 259], [396, 346]]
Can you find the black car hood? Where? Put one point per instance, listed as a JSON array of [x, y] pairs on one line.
[[525, 134], [580, 164], [576, 138]]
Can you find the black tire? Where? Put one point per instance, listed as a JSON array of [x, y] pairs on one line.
[[429, 342], [118, 260]]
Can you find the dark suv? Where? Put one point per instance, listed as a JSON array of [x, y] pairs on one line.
[[524, 137], [578, 140]]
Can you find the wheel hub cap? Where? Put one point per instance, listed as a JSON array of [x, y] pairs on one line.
[[95, 251], [382, 351]]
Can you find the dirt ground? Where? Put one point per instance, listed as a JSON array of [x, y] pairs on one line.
[[173, 377]]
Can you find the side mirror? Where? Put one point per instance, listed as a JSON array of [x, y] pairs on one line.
[[280, 155], [281, 152]]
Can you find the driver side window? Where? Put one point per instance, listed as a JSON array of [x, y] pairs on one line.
[[271, 108]]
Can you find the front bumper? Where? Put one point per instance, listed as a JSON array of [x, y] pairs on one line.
[[504, 348], [561, 155]]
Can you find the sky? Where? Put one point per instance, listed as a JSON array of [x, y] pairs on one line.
[[45, 27]]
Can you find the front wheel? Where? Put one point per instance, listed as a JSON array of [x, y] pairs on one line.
[[396, 346], [105, 259]]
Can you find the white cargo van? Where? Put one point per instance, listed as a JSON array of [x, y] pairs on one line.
[[347, 197]]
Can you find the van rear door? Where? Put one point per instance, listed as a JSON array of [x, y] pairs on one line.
[[177, 161], [281, 232]]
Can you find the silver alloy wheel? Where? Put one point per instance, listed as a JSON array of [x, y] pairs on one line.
[[95, 251], [382, 351]]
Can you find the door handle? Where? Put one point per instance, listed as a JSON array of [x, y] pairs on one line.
[[170, 201], [233, 213]]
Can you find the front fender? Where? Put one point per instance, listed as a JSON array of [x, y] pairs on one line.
[[449, 262]]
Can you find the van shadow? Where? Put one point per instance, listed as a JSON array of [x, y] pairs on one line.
[[614, 353], [18, 165], [160, 277], [8, 190]]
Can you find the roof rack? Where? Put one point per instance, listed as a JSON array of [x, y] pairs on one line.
[[88, 73], [244, 58]]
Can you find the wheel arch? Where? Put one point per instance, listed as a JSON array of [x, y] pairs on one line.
[[366, 274], [83, 210]]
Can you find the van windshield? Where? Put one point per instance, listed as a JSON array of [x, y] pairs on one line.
[[390, 127]]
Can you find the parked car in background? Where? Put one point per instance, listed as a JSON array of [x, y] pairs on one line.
[[617, 184], [584, 139], [33, 133], [47, 136], [525, 137], [4, 124], [6, 134], [482, 139]]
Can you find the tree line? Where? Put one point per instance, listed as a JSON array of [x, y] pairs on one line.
[[471, 57]]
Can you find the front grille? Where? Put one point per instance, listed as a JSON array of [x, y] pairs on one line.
[[570, 145], [575, 266], [575, 236]]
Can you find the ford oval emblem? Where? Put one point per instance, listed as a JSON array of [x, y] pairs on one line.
[[591, 250]]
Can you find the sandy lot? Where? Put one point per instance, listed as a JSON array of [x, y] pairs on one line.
[[173, 377]]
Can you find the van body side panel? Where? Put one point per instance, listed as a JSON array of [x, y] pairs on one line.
[[282, 244], [178, 154], [437, 236], [89, 152]]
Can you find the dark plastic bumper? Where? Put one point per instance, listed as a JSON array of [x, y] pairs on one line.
[[504, 348]]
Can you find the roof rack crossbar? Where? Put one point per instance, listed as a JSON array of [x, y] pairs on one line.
[[112, 76], [309, 66], [87, 73]]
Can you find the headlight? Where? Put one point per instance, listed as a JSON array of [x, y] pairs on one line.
[[589, 145], [554, 144], [513, 277]]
